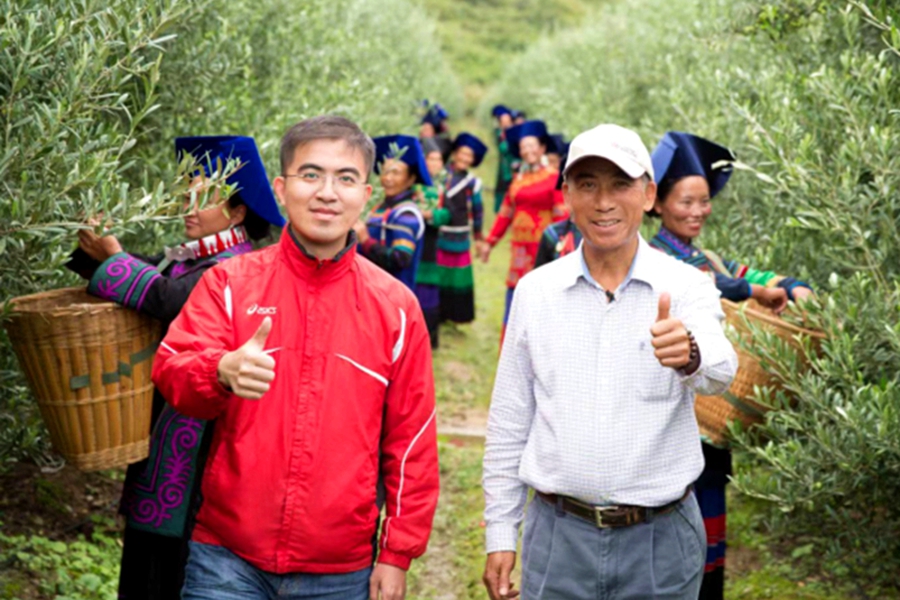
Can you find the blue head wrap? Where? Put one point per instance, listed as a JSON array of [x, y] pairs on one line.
[[470, 141], [680, 155], [515, 134], [436, 115], [406, 148], [250, 178]]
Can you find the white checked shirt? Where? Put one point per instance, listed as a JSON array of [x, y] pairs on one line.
[[581, 406]]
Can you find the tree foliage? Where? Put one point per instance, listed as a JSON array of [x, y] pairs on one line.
[[808, 95], [93, 92]]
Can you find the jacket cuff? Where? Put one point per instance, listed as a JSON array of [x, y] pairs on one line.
[[209, 386], [123, 279], [501, 537], [789, 284], [401, 561]]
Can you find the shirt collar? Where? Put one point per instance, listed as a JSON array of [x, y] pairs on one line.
[[641, 267]]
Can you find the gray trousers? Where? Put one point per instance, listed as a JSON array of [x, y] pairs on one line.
[[565, 557]]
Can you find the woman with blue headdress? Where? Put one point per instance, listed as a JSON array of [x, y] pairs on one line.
[[161, 495], [434, 122], [560, 238], [690, 171], [531, 203], [503, 116], [393, 234], [431, 200], [463, 203], [557, 148]]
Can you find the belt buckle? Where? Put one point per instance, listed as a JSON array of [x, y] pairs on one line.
[[598, 515]]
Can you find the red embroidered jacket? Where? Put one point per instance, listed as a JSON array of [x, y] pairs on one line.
[[530, 205]]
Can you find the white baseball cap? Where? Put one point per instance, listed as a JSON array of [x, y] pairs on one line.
[[620, 146]]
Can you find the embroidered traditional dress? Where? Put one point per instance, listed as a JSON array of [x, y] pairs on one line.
[[733, 280], [396, 228], [530, 205], [558, 240], [160, 492], [428, 276], [504, 168], [465, 210]]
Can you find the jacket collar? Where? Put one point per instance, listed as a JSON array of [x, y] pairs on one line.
[[307, 266]]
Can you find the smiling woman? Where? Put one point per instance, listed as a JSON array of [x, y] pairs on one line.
[[391, 236], [530, 205]]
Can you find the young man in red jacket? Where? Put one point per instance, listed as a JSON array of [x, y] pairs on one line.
[[316, 365]]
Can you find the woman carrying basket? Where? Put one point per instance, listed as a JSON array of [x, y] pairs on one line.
[[689, 172], [160, 496]]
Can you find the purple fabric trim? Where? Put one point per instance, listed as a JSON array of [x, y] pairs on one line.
[[147, 287], [675, 242], [174, 477], [135, 283], [178, 270], [165, 432], [118, 272]]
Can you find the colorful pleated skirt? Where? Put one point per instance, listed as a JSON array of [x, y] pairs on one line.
[[710, 491], [454, 261]]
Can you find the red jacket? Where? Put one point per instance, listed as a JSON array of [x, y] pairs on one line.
[[291, 479]]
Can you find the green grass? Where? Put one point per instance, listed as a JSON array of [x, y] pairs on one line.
[[451, 569]]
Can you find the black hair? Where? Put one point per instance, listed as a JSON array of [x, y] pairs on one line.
[[257, 227], [663, 189], [326, 127]]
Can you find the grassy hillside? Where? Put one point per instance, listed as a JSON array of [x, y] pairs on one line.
[[480, 37]]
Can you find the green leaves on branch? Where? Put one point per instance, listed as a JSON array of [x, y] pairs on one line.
[[93, 93]]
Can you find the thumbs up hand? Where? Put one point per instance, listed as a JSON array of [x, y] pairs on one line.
[[670, 338], [249, 370]]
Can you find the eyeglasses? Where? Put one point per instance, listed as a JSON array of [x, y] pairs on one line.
[[345, 181]]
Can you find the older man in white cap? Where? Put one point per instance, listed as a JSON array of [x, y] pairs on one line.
[[593, 401]]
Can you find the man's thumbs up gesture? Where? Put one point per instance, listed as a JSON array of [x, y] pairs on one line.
[[670, 338], [249, 370]]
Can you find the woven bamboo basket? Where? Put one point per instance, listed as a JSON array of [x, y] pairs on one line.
[[715, 412], [88, 362]]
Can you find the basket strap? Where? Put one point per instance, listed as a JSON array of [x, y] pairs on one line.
[[743, 406], [82, 381]]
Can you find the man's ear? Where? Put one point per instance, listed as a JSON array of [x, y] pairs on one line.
[[278, 188], [649, 196], [567, 192]]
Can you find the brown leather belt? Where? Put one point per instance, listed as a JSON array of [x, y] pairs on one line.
[[610, 516]]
